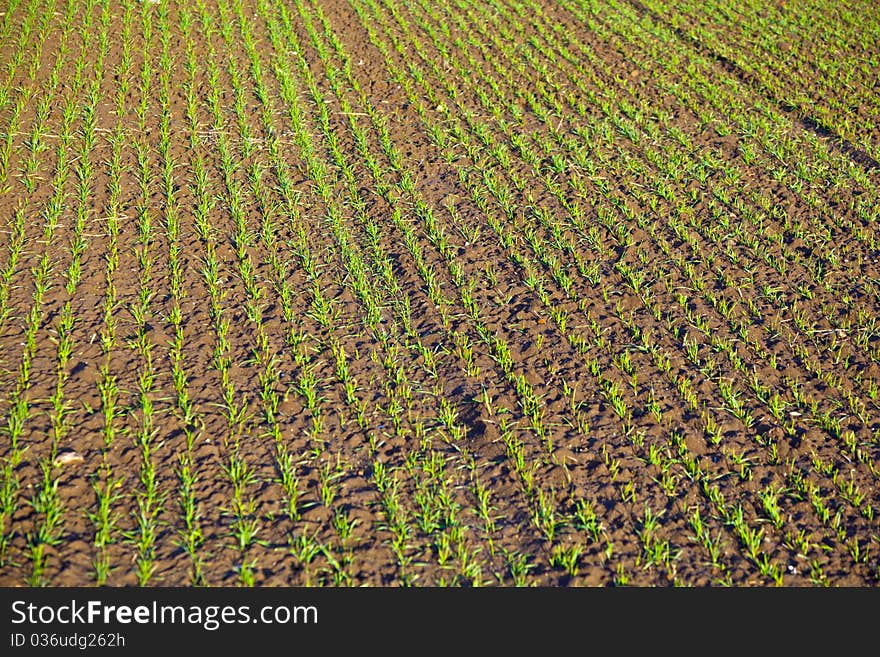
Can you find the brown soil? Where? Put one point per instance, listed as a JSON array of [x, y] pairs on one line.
[[599, 312]]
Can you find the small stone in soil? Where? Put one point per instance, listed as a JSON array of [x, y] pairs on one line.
[[68, 457]]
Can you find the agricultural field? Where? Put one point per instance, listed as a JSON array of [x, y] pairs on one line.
[[439, 293]]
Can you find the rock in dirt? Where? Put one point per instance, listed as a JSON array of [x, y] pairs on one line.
[[68, 457]]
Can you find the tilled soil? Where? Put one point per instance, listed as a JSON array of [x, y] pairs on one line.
[[370, 292]]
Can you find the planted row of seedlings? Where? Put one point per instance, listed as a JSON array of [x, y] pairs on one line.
[[24, 48], [67, 407], [37, 418], [582, 427], [36, 142], [108, 485]]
